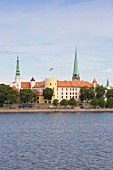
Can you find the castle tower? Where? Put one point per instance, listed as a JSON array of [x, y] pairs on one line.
[[75, 70], [32, 82], [52, 83], [18, 77], [94, 83]]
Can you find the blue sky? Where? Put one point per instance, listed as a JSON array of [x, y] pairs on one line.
[[44, 34]]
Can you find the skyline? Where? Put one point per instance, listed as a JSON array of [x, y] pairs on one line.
[[44, 35]]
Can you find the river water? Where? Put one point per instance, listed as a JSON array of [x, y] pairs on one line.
[[58, 141]]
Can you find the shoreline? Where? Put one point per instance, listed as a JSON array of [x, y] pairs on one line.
[[54, 110]]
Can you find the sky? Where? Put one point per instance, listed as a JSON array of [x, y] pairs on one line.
[[44, 34]]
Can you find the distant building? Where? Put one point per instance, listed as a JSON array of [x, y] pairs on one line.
[[62, 89]]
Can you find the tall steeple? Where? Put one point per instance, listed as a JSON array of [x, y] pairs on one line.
[[107, 84], [17, 67], [18, 77], [75, 70]]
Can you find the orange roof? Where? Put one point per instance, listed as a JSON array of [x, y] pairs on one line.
[[25, 84], [39, 85], [73, 84], [94, 81]]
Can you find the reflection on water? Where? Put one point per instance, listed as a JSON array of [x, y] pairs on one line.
[[81, 141]]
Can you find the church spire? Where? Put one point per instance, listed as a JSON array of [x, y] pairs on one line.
[[75, 70], [107, 84], [17, 67], [18, 77]]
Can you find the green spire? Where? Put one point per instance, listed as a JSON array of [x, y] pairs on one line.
[[17, 67], [75, 70], [107, 84]]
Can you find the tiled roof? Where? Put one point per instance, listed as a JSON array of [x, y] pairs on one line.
[[73, 84], [39, 85], [25, 85]]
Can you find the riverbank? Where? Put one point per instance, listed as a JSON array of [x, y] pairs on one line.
[[54, 110]]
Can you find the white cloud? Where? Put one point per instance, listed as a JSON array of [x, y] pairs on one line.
[[108, 71]]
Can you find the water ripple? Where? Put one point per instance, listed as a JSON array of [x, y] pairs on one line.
[[70, 141]]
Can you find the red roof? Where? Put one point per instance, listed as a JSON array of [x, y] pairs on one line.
[[39, 85], [73, 84], [25, 85]]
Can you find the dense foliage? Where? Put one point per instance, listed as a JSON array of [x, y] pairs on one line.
[[101, 102], [64, 102], [94, 102], [100, 91], [48, 93], [86, 94], [55, 102], [72, 102], [109, 102], [109, 93], [7, 94], [27, 95]]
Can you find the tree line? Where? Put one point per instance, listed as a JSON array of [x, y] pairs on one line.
[[99, 96]]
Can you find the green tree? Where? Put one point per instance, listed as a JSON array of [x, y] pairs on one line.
[[55, 102], [35, 97], [86, 93], [109, 102], [72, 102], [109, 93], [100, 91], [48, 93], [101, 102], [64, 102], [7, 94], [94, 101], [26, 95]]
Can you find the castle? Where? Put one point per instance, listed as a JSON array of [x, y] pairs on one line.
[[62, 89]]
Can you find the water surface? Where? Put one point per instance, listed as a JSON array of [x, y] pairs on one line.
[[61, 141]]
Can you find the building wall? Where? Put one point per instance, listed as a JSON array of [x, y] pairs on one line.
[[68, 93]]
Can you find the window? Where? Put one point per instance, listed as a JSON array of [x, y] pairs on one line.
[[62, 93], [66, 89], [66, 93], [62, 97], [50, 84], [62, 89], [70, 89], [66, 97], [73, 89], [73, 93], [70, 97], [76, 97], [70, 93], [76, 93]]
